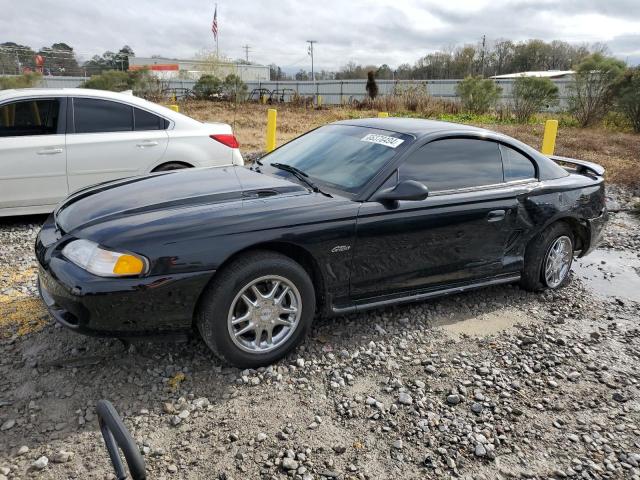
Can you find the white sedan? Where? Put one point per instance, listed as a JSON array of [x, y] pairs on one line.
[[56, 141]]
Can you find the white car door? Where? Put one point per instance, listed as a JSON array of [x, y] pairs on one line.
[[112, 140], [33, 170]]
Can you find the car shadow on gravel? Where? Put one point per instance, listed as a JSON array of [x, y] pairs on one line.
[[23, 221], [479, 313]]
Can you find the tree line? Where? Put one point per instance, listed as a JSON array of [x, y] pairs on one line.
[[59, 59], [500, 57]]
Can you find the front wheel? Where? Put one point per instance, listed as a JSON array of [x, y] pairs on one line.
[[548, 259], [257, 309]]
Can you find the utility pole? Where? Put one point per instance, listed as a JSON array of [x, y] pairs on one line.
[[246, 49], [484, 38], [311, 42]]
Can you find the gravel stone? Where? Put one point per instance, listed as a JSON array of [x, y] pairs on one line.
[[405, 399], [453, 399], [289, 463], [40, 464]]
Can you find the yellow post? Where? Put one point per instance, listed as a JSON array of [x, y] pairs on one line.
[[175, 108], [319, 100], [383, 114], [272, 115], [549, 139], [263, 99]]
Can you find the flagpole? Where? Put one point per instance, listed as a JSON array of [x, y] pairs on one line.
[[217, 33]]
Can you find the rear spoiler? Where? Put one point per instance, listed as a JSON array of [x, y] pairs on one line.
[[580, 165]]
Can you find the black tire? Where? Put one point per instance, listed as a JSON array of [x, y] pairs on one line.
[[213, 311], [165, 167], [533, 277]]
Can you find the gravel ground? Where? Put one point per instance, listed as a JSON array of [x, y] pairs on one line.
[[497, 383]]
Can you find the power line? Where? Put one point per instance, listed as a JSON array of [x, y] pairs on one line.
[[246, 49]]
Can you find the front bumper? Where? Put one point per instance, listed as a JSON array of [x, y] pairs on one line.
[[119, 307]]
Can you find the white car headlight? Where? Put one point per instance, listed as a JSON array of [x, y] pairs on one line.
[[104, 263]]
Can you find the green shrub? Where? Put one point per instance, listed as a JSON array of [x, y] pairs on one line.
[[207, 87], [20, 81], [142, 82], [616, 121], [628, 102], [531, 95], [478, 94], [592, 93], [111, 80], [234, 88]]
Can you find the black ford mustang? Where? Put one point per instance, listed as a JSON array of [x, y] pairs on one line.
[[353, 215]]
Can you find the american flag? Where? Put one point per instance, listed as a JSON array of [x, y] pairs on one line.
[[214, 24]]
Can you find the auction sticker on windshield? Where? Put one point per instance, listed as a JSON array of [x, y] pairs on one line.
[[385, 140]]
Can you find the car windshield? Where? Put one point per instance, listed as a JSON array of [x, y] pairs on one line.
[[344, 157]]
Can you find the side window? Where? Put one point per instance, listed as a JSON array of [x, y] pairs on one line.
[[29, 117], [455, 163], [147, 121], [96, 116], [516, 165]]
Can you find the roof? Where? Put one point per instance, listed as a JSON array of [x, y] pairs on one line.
[[541, 73], [411, 126], [67, 92], [19, 93]]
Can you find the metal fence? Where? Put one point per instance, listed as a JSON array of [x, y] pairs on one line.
[[334, 92]]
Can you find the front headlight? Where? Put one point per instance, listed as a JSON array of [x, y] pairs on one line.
[[104, 263]]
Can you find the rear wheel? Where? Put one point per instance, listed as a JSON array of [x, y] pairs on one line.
[[548, 258], [257, 309], [171, 166]]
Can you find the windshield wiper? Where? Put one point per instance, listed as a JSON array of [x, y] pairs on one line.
[[300, 175]]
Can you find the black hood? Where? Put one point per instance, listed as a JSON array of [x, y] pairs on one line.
[[164, 191]]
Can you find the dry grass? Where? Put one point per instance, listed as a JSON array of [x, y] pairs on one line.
[[618, 152], [19, 314]]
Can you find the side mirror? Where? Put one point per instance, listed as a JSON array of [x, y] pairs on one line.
[[405, 190]]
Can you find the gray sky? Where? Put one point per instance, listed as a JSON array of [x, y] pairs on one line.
[[373, 31]]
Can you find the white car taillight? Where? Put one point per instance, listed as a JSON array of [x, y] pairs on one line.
[[227, 139]]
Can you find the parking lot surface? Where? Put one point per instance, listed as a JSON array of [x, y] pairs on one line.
[[495, 383]]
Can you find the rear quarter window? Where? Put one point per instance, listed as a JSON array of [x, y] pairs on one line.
[[516, 165], [144, 120]]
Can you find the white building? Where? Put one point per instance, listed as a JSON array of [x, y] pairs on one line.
[[170, 68]]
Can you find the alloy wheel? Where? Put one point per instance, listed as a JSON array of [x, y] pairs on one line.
[[264, 314], [558, 261]]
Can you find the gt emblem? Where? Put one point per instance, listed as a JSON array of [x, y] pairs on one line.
[[340, 248]]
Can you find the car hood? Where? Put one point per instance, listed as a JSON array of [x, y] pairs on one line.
[[167, 191]]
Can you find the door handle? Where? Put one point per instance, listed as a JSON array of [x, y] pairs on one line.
[[50, 151], [496, 215], [149, 143]]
